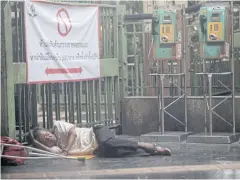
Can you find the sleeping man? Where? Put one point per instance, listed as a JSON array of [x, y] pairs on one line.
[[66, 139]]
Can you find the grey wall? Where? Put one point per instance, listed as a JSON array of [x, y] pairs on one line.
[[140, 115]]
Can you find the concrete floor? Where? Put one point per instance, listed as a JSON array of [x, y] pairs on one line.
[[188, 161]]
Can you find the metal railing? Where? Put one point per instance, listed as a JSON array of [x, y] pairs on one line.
[[82, 103]]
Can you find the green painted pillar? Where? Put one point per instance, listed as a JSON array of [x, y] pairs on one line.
[[3, 127], [123, 69], [10, 76]]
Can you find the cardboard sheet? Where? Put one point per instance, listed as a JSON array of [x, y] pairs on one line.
[[85, 156]]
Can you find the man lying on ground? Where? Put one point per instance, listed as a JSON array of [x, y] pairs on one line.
[[66, 139]]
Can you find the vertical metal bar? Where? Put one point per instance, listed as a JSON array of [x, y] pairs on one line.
[[142, 63], [78, 102], [210, 102], [115, 32], [22, 118], [135, 60], [185, 103], [154, 82], [16, 44], [18, 87], [83, 88], [233, 70], [172, 79], [161, 68], [57, 104], [132, 79], [19, 108], [159, 107], [113, 100], [91, 102], [94, 110], [43, 105], [71, 103], [24, 107], [98, 101], [116, 100], [105, 100], [27, 108], [110, 29], [15, 55], [86, 102], [34, 105], [65, 102], [109, 100], [116, 54], [30, 106], [124, 57], [162, 103], [55, 99], [102, 102], [184, 29], [22, 36], [184, 59], [101, 35], [50, 106], [108, 34], [103, 18], [137, 74], [205, 95], [47, 103], [23, 59]]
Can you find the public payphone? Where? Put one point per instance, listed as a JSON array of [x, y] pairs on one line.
[[166, 31], [214, 31]]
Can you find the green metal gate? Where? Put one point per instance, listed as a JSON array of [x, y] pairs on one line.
[[135, 56], [87, 103]]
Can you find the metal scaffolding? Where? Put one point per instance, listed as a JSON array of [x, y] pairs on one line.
[[209, 108], [161, 104], [180, 86], [208, 100]]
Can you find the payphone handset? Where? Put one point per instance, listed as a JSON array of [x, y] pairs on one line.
[[155, 23]]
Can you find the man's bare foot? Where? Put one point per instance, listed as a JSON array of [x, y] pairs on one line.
[[152, 149], [163, 151]]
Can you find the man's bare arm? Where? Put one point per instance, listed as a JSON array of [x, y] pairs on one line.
[[39, 145], [79, 153], [71, 139]]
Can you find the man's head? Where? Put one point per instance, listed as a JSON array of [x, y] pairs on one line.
[[44, 136]]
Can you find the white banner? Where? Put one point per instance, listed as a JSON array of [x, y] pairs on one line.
[[62, 42]]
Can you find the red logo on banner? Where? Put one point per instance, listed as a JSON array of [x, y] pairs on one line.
[[64, 22]]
